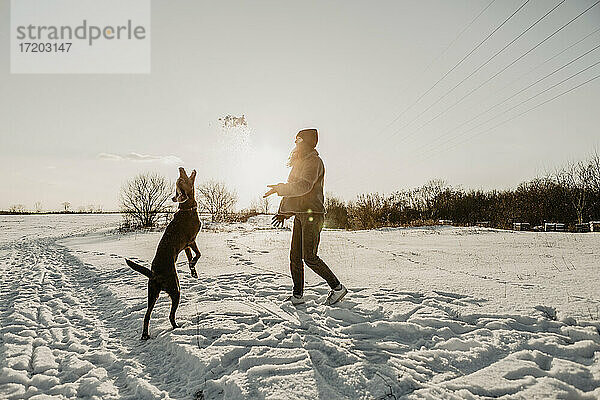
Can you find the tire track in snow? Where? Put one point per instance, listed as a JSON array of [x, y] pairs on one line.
[[395, 255], [452, 333], [51, 344], [240, 340], [259, 297]]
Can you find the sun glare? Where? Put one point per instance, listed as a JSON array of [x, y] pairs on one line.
[[247, 167]]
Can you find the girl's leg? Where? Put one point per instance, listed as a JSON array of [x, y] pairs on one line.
[[296, 266], [312, 224]]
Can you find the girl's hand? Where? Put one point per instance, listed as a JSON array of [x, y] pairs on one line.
[[273, 190], [278, 220]]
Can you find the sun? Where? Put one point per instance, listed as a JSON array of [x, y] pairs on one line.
[[249, 168]]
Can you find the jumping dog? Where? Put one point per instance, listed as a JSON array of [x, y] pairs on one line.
[[179, 235]]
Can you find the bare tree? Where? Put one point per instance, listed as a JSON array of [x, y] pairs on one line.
[[576, 180], [261, 205], [144, 197], [595, 171], [38, 207], [430, 192], [66, 205], [215, 198], [265, 203]]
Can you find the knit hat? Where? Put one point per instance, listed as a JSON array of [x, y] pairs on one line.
[[309, 136]]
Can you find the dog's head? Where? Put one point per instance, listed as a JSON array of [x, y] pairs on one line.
[[184, 187]]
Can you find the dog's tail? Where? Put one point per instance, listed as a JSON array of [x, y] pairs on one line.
[[139, 268]]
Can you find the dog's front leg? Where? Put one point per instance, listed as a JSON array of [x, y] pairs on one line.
[[194, 247], [192, 262]]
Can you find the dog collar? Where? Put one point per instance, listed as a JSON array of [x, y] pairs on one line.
[[188, 209]]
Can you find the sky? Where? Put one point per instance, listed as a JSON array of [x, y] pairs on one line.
[[352, 69]]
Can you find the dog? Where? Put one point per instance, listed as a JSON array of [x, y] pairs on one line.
[[180, 235]]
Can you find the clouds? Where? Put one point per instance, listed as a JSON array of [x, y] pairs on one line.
[[137, 157]]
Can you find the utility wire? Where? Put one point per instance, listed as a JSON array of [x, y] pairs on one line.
[[518, 115], [455, 65], [439, 149], [548, 60], [533, 69], [496, 74], [523, 55], [525, 101], [439, 56], [514, 95], [478, 69]]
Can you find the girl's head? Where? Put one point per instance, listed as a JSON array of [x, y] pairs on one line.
[[306, 140]]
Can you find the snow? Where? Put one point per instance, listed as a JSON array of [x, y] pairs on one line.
[[438, 312]]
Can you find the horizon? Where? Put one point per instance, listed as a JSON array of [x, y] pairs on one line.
[[78, 138], [100, 209]]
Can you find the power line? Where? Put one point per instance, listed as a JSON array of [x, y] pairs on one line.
[[531, 70], [478, 69], [510, 83], [456, 65], [548, 59], [432, 63], [515, 94], [437, 150], [524, 54], [522, 102], [520, 114], [497, 73]]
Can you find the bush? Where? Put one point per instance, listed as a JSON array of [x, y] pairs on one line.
[[241, 216], [144, 198], [336, 213]]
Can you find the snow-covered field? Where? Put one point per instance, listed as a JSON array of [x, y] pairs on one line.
[[432, 313]]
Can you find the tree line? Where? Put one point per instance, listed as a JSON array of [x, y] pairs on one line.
[[569, 195], [67, 209]]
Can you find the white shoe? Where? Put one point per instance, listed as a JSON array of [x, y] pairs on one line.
[[336, 295], [297, 300]]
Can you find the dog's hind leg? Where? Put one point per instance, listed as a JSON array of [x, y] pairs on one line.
[[153, 292], [174, 295], [192, 262]]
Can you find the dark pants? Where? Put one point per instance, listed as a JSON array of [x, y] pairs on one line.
[[305, 243]]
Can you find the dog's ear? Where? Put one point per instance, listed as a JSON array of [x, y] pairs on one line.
[[182, 173], [193, 176]]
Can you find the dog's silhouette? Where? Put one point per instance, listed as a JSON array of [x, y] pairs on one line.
[[179, 235]]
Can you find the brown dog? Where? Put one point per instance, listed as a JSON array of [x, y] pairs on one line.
[[179, 235]]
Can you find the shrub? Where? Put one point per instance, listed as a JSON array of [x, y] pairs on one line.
[[336, 213]]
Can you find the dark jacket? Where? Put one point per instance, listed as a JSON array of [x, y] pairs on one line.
[[303, 192]]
